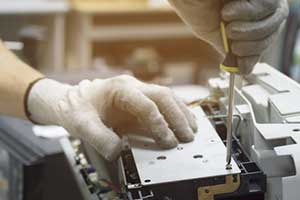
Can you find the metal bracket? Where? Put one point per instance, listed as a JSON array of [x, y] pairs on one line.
[[232, 183]]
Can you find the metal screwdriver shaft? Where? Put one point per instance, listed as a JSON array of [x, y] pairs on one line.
[[229, 65], [229, 120]]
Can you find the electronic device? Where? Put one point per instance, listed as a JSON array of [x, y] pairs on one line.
[[266, 153], [266, 142], [34, 168], [193, 171]]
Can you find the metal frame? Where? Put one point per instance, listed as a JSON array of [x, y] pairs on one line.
[[203, 158], [269, 131]]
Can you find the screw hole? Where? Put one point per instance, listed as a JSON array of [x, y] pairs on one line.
[[296, 130], [161, 158], [147, 181], [198, 156], [151, 163], [179, 148]]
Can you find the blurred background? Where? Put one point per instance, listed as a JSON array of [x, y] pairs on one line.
[[74, 39]]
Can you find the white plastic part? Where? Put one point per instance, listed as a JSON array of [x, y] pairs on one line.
[[270, 129]]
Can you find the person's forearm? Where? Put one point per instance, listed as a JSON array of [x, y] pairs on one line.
[[15, 78]]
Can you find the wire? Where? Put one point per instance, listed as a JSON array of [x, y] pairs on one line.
[[200, 102], [225, 116], [208, 100], [111, 185]]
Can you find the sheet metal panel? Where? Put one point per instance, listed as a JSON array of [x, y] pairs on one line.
[[203, 158]]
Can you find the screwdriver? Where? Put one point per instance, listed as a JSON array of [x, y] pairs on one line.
[[229, 65]]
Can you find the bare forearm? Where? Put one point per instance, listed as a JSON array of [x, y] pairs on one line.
[[15, 77]]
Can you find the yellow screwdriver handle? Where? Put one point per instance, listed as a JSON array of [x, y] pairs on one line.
[[230, 63]]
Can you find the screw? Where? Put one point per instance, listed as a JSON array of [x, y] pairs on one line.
[[228, 166]]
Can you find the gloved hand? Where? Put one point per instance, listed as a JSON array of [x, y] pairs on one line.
[[252, 25], [96, 111]]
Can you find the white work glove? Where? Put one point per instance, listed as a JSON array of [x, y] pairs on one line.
[[95, 111], [252, 25]]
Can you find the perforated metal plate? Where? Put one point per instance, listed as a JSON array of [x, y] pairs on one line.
[[203, 158]]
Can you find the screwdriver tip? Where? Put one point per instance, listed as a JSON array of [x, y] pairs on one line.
[[228, 166]]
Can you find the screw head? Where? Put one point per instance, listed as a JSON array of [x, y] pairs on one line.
[[228, 166]]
